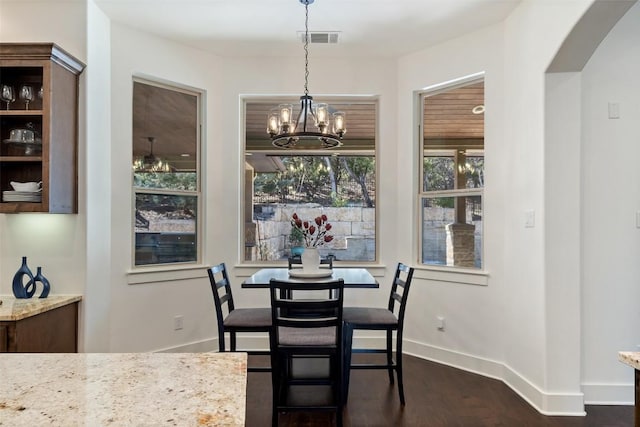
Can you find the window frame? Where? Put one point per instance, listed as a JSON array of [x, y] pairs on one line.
[[332, 99], [200, 95], [422, 195]]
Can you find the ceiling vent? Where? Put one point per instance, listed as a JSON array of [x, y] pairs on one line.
[[322, 37]]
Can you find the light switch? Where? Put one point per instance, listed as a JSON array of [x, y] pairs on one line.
[[529, 219], [638, 219], [614, 110]]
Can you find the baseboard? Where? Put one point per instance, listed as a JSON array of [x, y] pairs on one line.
[[245, 342], [608, 394], [249, 342], [565, 404], [193, 347]]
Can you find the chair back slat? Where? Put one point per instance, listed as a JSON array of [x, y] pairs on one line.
[[222, 282], [221, 289], [290, 322], [225, 298], [396, 296], [400, 290]]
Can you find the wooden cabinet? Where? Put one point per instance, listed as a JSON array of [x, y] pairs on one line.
[[39, 326], [39, 138]]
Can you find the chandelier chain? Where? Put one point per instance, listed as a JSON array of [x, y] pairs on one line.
[[286, 132], [306, 48]]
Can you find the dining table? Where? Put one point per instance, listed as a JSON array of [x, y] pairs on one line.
[[353, 277]]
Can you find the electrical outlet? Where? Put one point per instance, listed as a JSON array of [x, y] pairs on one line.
[[178, 322], [440, 323]]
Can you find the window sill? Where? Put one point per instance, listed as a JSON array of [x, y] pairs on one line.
[[166, 273], [453, 275]]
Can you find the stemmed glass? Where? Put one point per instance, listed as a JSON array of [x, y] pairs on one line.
[[7, 94], [26, 94]]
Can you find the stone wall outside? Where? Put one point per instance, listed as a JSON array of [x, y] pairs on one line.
[[353, 231], [434, 235]]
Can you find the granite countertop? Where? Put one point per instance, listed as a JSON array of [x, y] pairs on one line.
[[123, 389], [631, 358], [13, 308]]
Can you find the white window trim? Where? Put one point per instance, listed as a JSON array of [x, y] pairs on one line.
[[471, 276], [183, 270], [275, 99]]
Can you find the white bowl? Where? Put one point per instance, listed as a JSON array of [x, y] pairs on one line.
[[26, 186]]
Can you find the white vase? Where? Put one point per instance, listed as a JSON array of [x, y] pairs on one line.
[[310, 259]]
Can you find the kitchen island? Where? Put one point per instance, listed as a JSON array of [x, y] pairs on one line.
[[632, 358], [123, 389]]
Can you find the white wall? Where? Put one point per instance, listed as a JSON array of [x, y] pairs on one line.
[[610, 191], [472, 313], [503, 329], [533, 37], [151, 328], [142, 314], [95, 126], [562, 233], [285, 76], [55, 242]]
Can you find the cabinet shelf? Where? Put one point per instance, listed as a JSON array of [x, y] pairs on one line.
[[21, 113], [52, 119], [20, 158], [21, 207]]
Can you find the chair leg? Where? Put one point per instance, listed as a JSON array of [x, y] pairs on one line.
[[275, 390], [390, 354], [221, 341], [338, 383], [347, 336], [232, 341], [399, 367]]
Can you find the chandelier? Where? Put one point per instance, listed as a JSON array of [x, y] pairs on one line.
[[329, 127], [151, 163]]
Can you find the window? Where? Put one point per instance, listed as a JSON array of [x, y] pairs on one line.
[[452, 174], [166, 181], [339, 182]]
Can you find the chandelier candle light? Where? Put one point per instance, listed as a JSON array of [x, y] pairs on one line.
[[287, 133]]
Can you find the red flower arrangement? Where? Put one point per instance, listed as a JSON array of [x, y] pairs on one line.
[[315, 233]]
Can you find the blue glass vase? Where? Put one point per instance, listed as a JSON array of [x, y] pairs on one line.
[[21, 289], [45, 283]]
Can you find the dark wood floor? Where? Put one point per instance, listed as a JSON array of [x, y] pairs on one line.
[[436, 395]]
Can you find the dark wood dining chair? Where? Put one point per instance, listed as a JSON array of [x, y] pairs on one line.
[[234, 320], [382, 319], [307, 329], [324, 262]]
